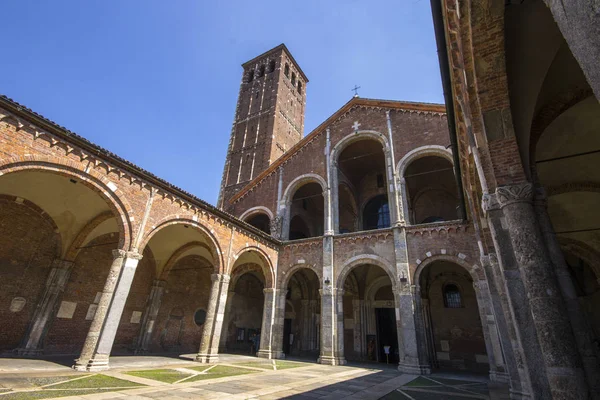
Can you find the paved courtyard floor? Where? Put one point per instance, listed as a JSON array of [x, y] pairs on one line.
[[234, 377]]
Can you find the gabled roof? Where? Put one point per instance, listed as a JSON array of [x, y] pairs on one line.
[[274, 50], [355, 101]]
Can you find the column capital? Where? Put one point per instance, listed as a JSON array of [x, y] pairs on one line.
[[506, 195], [271, 290], [330, 291], [220, 277], [159, 283], [62, 264], [120, 253]]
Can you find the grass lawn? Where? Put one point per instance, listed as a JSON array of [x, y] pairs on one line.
[[421, 381], [48, 380], [163, 375], [220, 371], [47, 394], [96, 381]]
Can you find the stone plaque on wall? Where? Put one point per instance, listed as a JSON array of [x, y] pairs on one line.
[[445, 345], [66, 310], [97, 298], [136, 316], [91, 312], [17, 304]]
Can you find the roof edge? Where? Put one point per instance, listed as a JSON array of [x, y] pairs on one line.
[[355, 101], [282, 46]]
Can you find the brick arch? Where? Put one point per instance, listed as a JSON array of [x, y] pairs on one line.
[[215, 248], [356, 137], [475, 271], [83, 234], [115, 199], [420, 152], [285, 279], [38, 210], [256, 210], [583, 251], [362, 259], [177, 255], [267, 265], [288, 194]]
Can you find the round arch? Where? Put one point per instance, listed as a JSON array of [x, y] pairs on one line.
[[215, 249], [474, 271], [266, 265], [420, 152], [365, 259], [256, 210], [356, 137], [179, 254], [115, 199], [377, 284], [285, 280], [288, 194]]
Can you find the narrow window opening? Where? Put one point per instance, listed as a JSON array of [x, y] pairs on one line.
[[299, 87], [286, 71], [251, 75], [379, 180], [293, 78], [452, 298], [272, 66], [261, 71]]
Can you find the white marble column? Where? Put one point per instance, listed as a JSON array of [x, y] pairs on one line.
[[46, 308], [150, 314], [332, 326], [100, 338], [215, 315]]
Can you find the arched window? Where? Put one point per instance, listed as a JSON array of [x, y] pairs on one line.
[[261, 71], [286, 70], [251, 75], [293, 78], [271, 66], [376, 214], [452, 297], [300, 87]]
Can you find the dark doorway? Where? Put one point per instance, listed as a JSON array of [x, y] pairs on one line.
[[386, 334], [287, 331]]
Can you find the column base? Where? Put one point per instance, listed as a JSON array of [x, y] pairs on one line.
[[271, 355], [329, 360], [414, 369], [207, 358], [33, 353], [98, 363]]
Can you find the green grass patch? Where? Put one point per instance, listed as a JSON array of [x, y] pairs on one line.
[[289, 364], [201, 368], [96, 381], [47, 394], [220, 371], [256, 364], [421, 381], [162, 375], [48, 380]]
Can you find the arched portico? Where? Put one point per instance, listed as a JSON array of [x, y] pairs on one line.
[[310, 205]]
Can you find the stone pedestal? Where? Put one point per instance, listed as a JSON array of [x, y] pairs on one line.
[[332, 326], [100, 338], [150, 314], [543, 327], [46, 308], [211, 334], [271, 335]]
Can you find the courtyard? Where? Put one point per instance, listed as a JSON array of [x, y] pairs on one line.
[[233, 377]]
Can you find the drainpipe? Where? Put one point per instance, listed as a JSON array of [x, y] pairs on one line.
[[440, 39]]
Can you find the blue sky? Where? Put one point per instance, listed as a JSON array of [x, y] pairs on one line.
[[156, 82]]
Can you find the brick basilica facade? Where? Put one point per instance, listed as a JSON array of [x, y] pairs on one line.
[[461, 236]]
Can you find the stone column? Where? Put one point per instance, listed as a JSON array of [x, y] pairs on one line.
[[490, 332], [271, 335], [423, 330], [150, 314], [215, 315], [305, 319], [520, 387], [332, 326], [359, 339], [100, 338], [46, 308], [543, 325], [583, 333], [406, 313]]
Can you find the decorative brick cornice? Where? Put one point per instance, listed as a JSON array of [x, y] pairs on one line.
[[448, 227]]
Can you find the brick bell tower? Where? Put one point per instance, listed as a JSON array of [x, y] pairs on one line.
[[269, 118]]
